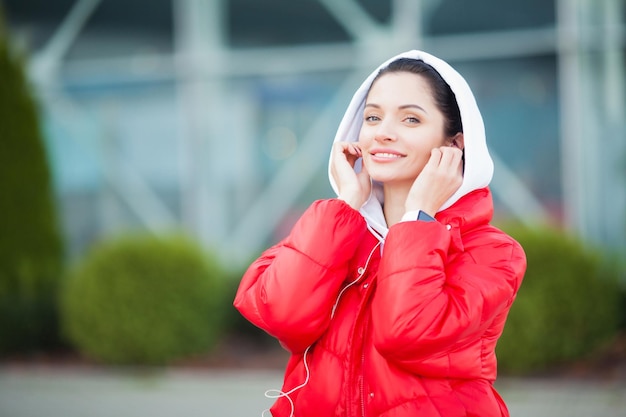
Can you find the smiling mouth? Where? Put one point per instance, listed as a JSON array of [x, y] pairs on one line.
[[386, 155]]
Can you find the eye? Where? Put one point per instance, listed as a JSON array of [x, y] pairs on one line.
[[372, 118], [412, 119]]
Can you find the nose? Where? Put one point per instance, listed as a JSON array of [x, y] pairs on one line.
[[385, 132]]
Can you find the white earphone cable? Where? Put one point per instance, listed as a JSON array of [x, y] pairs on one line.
[[275, 393], [357, 279]]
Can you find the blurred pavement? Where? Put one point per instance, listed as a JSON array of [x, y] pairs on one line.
[[78, 392]]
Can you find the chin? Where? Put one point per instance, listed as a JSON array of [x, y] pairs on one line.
[[388, 179], [391, 177]]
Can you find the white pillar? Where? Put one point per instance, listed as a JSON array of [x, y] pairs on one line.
[[407, 23], [200, 53], [570, 102], [613, 137], [593, 136]]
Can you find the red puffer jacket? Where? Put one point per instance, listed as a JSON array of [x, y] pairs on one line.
[[409, 333]]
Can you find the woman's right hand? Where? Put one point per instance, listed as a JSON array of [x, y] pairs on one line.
[[353, 188]]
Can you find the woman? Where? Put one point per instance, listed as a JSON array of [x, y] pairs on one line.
[[392, 296]]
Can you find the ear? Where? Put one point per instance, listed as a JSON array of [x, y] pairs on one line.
[[457, 141]]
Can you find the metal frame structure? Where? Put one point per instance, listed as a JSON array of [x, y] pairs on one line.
[[202, 62], [593, 131]]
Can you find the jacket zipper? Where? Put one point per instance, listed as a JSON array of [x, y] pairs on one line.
[[361, 378], [362, 385], [362, 393]]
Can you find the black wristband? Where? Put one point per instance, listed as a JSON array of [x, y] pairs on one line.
[[424, 217]]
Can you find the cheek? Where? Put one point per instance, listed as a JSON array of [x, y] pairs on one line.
[[363, 134], [421, 161]]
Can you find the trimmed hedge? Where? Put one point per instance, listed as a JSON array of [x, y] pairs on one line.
[[143, 301], [569, 303], [31, 247], [237, 325]]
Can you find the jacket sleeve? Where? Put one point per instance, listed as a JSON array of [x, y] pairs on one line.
[[289, 291], [427, 305]]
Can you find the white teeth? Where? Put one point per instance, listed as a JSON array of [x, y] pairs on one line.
[[386, 155]]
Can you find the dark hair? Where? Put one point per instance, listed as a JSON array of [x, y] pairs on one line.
[[442, 93]]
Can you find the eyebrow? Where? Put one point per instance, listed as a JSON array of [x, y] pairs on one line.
[[403, 107]]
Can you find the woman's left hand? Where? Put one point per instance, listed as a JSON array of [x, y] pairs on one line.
[[441, 177]]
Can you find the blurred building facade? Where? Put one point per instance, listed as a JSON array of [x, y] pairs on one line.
[[216, 116]]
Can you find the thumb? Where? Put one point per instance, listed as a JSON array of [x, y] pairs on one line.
[[364, 180]]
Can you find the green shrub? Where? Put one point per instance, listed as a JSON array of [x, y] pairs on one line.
[[237, 325], [31, 250], [568, 305], [143, 301]]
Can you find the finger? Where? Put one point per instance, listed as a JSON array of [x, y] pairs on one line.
[[357, 149], [435, 159], [452, 164], [341, 152], [354, 150], [340, 161], [341, 146], [364, 180], [346, 151], [458, 158], [450, 156]]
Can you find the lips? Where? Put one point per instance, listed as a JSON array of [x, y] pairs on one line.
[[385, 154]]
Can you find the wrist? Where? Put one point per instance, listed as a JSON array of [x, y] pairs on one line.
[[353, 202], [415, 208], [417, 215]]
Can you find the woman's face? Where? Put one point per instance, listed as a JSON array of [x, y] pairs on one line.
[[401, 125]]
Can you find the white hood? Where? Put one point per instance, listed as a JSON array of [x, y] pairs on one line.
[[478, 164]]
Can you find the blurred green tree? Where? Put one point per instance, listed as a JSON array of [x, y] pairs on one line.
[[568, 306], [31, 248], [144, 300]]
